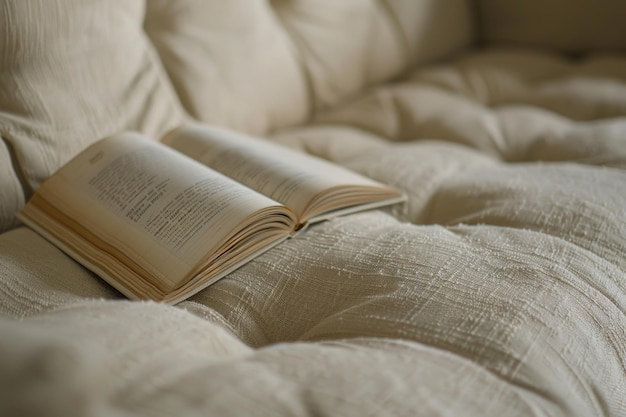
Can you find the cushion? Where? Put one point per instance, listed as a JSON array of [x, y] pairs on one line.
[[501, 278], [516, 104], [268, 65], [499, 288], [36, 276], [122, 358], [226, 59], [11, 189], [73, 72]]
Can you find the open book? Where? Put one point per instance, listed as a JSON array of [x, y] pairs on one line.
[[162, 220]]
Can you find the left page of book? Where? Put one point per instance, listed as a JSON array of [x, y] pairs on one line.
[[151, 213]]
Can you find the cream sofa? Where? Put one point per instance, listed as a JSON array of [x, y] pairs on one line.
[[498, 289]]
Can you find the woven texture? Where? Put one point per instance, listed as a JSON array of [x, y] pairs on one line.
[[498, 289]]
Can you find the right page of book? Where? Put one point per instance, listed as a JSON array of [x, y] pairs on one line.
[[312, 187]]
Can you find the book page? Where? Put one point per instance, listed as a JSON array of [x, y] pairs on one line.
[[158, 207], [285, 175]]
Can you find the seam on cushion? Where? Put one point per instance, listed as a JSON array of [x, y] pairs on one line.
[[209, 314], [399, 33], [516, 386], [462, 219], [591, 393], [152, 55], [568, 67], [19, 173], [297, 46], [567, 243], [495, 136]]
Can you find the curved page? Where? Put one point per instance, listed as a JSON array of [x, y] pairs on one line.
[[155, 207]]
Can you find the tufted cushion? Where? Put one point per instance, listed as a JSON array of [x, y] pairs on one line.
[[420, 23], [36, 276], [362, 308], [564, 25], [514, 104], [346, 46], [129, 359], [498, 289], [226, 58], [76, 71], [11, 192], [73, 72]]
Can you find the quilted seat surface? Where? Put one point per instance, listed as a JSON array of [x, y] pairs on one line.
[[498, 289]]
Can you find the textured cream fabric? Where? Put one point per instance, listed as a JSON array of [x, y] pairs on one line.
[[565, 25], [459, 317], [144, 359], [350, 45], [266, 65], [498, 289], [36, 276], [232, 62], [421, 25], [72, 72], [81, 70], [11, 191], [516, 104], [343, 46]]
